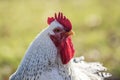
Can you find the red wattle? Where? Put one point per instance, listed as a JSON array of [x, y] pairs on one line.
[[66, 50]]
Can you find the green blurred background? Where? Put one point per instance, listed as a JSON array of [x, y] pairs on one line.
[[96, 24]]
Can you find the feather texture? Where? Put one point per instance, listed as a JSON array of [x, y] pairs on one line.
[[42, 60]]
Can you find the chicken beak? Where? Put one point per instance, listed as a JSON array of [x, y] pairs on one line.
[[69, 33]]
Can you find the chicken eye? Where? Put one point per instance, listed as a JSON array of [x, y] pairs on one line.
[[56, 30]]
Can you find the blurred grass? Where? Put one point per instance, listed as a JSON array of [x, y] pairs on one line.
[[95, 22]]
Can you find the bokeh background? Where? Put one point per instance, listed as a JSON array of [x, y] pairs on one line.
[[96, 24]]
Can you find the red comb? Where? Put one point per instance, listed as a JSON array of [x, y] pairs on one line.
[[62, 20]]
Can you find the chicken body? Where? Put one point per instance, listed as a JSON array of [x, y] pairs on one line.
[[42, 61]]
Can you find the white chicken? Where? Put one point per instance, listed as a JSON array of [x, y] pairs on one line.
[[50, 56]]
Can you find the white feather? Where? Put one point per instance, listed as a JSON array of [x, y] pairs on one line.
[[41, 62]]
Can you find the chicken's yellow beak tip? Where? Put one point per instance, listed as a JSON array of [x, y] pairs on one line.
[[70, 33]]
